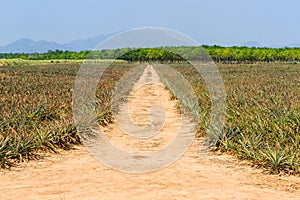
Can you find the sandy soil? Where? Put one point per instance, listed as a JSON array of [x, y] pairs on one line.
[[77, 175]]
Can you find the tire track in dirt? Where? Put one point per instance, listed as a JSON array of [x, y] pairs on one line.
[[77, 175]]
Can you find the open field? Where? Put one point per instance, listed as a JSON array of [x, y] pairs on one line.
[[23, 62], [36, 108], [262, 125], [263, 113], [77, 175], [26, 62]]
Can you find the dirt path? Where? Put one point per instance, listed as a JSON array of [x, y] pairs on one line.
[[77, 175]]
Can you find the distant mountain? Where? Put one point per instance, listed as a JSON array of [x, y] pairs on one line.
[[293, 45], [251, 44], [86, 44], [30, 46], [152, 37], [25, 45], [257, 44]]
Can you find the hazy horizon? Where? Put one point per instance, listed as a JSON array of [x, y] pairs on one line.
[[224, 23]]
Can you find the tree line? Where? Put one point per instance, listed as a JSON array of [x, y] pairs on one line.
[[172, 54]]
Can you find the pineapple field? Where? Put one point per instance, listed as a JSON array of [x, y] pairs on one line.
[[262, 116]]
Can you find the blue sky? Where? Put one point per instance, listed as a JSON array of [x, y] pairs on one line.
[[222, 22]]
